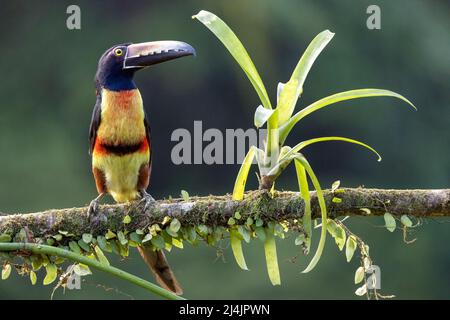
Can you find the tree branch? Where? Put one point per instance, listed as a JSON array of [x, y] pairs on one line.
[[216, 210]]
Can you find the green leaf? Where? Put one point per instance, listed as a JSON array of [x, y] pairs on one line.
[[87, 237], [306, 143], [57, 237], [237, 50], [52, 272], [110, 235], [135, 237], [259, 222], [406, 221], [323, 210], [262, 115], [335, 185], [337, 232], [6, 271], [33, 277], [350, 248], [175, 225], [158, 242], [249, 221], [177, 243], [122, 239], [236, 247], [389, 221], [260, 233], [231, 221], [166, 220], [4, 237], [185, 195], [126, 219], [241, 179], [101, 256], [81, 270], [84, 245], [300, 239], [244, 233], [104, 244], [147, 237], [74, 247], [294, 87], [336, 200], [359, 275], [237, 215], [270, 251], [330, 100]]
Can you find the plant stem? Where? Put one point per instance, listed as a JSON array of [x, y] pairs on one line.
[[44, 249]]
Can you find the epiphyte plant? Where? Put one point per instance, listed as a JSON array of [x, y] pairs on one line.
[[275, 157]]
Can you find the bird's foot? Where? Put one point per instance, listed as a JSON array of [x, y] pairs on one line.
[[147, 199], [93, 206]]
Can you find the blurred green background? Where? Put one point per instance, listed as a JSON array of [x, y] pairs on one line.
[[47, 95]]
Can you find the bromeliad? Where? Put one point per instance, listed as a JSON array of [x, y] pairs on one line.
[[275, 157]]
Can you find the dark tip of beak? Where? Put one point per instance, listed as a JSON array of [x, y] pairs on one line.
[[141, 55]]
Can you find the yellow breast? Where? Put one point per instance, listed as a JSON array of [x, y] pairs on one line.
[[122, 117]]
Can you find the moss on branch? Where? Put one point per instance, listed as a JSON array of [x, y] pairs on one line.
[[216, 210]]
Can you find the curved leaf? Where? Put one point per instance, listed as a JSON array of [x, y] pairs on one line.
[[306, 143], [236, 49], [262, 115], [236, 247], [270, 251], [294, 87], [338, 97], [323, 210], [304, 192], [241, 179]]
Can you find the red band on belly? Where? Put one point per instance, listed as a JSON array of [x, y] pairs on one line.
[[101, 148]]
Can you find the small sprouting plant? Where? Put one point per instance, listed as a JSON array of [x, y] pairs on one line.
[[273, 159]]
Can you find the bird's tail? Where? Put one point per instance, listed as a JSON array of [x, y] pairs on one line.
[[158, 265]]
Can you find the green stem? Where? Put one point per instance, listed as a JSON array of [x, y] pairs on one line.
[[44, 249]]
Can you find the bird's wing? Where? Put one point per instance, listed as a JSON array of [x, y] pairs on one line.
[[95, 123], [147, 134]]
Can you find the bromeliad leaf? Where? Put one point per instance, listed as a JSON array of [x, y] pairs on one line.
[[236, 49], [338, 97], [279, 89], [236, 247], [294, 87], [306, 143], [323, 211], [262, 115], [304, 192], [241, 179], [270, 250]]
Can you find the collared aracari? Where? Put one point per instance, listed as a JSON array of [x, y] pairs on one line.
[[119, 134]]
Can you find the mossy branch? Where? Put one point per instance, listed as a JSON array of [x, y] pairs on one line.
[[216, 210]]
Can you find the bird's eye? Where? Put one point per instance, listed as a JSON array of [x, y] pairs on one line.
[[118, 52]]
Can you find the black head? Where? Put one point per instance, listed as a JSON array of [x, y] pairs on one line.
[[118, 64]]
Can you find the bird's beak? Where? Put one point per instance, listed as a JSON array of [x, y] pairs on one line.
[[141, 55]]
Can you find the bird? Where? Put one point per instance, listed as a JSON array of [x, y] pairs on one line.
[[119, 134]]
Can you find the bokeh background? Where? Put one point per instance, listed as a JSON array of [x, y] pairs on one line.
[[47, 95]]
